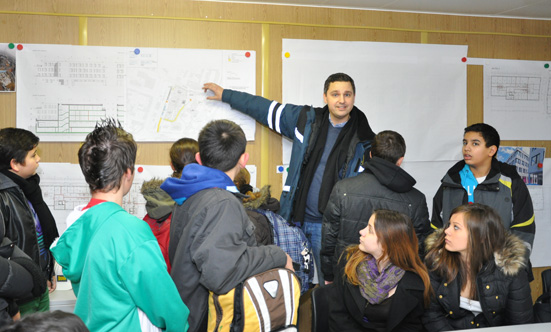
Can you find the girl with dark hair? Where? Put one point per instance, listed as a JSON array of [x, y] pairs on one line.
[[478, 273], [384, 285], [182, 152]]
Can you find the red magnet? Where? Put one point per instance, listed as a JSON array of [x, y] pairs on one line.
[[140, 169], [247, 54], [20, 47], [463, 59]]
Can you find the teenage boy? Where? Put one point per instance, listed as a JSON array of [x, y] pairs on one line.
[[212, 243], [383, 185], [480, 178], [329, 143], [27, 218], [112, 259]]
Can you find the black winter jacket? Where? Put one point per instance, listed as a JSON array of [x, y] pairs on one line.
[[503, 292], [406, 310], [503, 190], [383, 185]]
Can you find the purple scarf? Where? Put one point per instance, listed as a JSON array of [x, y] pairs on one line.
[[374, 286]]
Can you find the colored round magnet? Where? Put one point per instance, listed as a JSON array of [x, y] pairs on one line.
[[136, 51], [140, 169], [287, 54], [280, 169], [248, 54], [19, 47], [463, 59], [540, 165], [11, 46], [546, 65]]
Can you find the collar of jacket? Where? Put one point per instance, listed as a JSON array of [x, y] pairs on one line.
[[497, 167], [6, 182], [510, 259]]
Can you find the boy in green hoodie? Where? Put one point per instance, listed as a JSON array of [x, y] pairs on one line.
[[113, 260]]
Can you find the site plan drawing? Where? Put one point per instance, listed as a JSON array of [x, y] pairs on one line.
[[156, 94], [517, 98]]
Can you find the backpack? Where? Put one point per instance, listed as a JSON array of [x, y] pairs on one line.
[[264, 302], [292, 240]]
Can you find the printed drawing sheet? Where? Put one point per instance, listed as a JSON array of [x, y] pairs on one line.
[[64, 188], [418, 90], [517, 99], [156, 94]]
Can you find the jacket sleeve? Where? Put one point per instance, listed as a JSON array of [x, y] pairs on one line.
[[223, 256], [421, 223], [15, 281], [434, 318], [282, 118], [329, 233], [519, 301], [523, 224], [436, 221], [145, 276]]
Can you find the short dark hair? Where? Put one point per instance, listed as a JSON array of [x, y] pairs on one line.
[[59, 321], [106, 154], [15, 143], [221, 144], [388, 145], [338, 77], [489, 133], [182, 152]]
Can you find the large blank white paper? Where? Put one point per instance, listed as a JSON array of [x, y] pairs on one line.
[[418, 90]]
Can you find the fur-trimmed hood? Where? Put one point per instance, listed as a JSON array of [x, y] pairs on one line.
[[158, 204], [261, 200], [511, 259]]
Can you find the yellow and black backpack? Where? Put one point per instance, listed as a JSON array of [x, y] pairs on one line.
[[264, 302]]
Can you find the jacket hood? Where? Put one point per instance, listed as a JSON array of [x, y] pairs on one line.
[[6, 182], [195, 178], [261, 200], [510, 259], [390, 175], [158, 203]]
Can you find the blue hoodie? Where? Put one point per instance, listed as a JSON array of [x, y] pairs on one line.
[[195, 178]]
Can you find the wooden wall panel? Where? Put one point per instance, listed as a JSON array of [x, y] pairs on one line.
[[211, 25]]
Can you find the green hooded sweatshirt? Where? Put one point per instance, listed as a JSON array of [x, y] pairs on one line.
[[115, 266]]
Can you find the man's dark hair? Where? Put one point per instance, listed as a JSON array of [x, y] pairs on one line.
[[221, 144], [489, 133], [106, 154], [59, 321], [338, 77], [15, 143], [388, 145]]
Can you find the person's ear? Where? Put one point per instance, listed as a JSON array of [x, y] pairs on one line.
[[493, 150], [198, 158], [14, 165], [243, 159], [370, 155], [399, 161], [325, 97], [172, 166]]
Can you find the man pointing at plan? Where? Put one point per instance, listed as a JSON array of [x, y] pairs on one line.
[[329, 143]]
